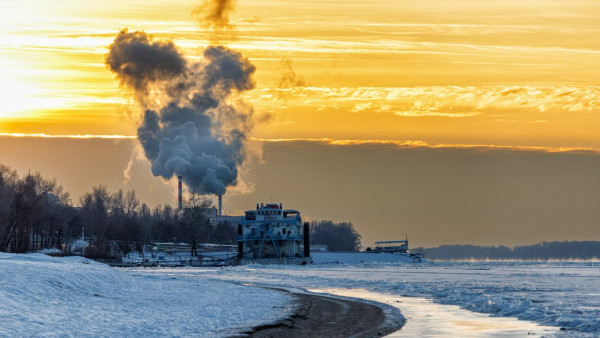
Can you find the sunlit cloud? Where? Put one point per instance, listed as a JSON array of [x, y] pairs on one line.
[[406, 68], [449, 101], [345, 142], [424, 144], [74, 136]]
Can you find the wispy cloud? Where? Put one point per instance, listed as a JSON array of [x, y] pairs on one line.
[[424, 144], [73, 136], [445, 101]]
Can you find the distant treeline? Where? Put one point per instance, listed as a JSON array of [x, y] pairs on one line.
[[37, 214], [337, 236], [566, 250]]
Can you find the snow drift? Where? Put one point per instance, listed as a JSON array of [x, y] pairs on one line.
[[46, 296]]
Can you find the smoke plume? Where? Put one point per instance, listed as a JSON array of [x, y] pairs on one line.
[[288, 81], [214, 16], [192, 124]]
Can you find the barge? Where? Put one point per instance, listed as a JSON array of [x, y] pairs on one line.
[[271, 234]]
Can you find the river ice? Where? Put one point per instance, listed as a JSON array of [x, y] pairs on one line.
[[563, 295]]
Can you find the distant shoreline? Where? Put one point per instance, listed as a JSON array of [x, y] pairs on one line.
[[565, 251]]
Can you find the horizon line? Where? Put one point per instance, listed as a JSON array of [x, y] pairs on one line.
[[344, 142]]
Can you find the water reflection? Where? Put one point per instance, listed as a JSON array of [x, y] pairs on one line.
[[427, 319]]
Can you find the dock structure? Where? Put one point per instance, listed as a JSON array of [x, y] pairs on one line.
[[273, 235], [391, 246]]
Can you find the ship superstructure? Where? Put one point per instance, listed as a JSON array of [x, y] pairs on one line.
[[271, 235]]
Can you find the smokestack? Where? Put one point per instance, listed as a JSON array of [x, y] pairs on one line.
[[220, 205], [180, 192]]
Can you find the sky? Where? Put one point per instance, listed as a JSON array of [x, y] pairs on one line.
[[453, 122]]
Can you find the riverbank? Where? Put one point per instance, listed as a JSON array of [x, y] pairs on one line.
[[327, 316]]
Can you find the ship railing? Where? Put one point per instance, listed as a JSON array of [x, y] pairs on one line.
[[277, 237]]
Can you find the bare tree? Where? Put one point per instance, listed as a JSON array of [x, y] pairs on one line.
[[124, 218], [95, 208], [165, 225], [225, 233], [8, 186], [194, 220]]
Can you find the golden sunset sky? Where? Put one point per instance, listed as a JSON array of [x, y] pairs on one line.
[[520, 73], [515, 76]]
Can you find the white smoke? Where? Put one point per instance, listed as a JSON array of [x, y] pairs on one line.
[[192, 126]]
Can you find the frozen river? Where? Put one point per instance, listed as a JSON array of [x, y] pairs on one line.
[[564, 296]]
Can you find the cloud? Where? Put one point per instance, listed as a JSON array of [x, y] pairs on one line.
[[74, 136], [429, 145], [447, 101]]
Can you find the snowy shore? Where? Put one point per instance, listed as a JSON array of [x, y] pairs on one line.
[[71, 296]]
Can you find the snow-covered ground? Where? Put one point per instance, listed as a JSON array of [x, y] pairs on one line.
[[41, 295], [564, 295], [45, 296]]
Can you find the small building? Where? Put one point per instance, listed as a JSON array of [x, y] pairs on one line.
[[273, 235]]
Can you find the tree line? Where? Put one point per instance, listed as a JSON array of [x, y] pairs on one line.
[[36, 213], [337, 236], [565, 250]]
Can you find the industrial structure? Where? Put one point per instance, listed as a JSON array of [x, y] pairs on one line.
[[269, 234], [272, 235], [391, 246]]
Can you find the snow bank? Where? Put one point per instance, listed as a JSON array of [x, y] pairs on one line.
[[42, 295]]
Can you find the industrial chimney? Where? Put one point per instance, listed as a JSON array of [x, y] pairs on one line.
[[180, 192], [220, 205]]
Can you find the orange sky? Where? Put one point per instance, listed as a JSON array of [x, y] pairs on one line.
[[463, 72], [515, 76]]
